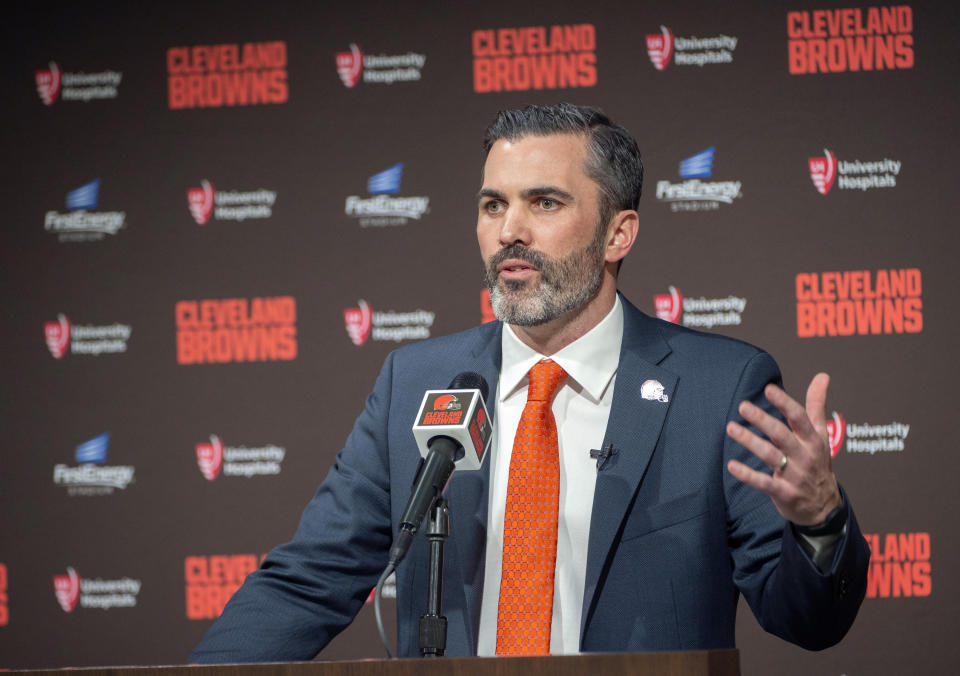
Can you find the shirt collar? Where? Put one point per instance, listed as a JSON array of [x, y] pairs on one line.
[[590, 361]]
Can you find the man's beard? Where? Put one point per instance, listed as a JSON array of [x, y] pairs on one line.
[[562, 285]]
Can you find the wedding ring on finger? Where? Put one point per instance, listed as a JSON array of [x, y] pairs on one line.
[[783, 463]]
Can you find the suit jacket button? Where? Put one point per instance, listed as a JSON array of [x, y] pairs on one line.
[[843, 586]]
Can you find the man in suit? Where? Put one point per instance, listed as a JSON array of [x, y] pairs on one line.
[[684, 475]]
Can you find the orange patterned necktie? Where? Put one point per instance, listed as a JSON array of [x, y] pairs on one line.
[[530, 522]]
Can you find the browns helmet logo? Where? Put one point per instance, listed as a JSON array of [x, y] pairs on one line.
[[446, 402]]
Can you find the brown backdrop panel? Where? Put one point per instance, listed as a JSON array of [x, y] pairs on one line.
[[165, 549]]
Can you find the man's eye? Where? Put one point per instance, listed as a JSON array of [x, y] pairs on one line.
[[493, 207], [548, 204]]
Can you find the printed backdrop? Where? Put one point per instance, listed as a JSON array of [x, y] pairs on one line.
[[221, 217]]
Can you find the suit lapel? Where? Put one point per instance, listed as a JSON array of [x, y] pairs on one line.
[[633, 430]]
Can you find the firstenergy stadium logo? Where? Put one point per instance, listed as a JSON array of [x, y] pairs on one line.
[[91, 475], [699, 312], [378, 68], [63, 336], [900, 565], [689, 51], [534, 57], [362, 323], [229, 205], [384, 209], [82, 222], [859, 302], [213, 76], [72, 590], [210, 581], [52, 83], [867, 438], [694, 194], [850, 40], [225, 330], [238, 461], [826, 170]]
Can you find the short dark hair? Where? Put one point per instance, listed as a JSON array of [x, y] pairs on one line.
[[613, 155]]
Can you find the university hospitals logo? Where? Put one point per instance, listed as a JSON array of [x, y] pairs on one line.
[[850, 40], [384, 209], [669, 305], [350, 66], [362, 323], [859, 302], [689, 51], [93, 340], [229, 205], [836, 431], [52, 83], [869, 438], [67, 590], [534, 57], [240, 461], [378, 68], [82, 222], [48, 83], [660, 47], [200, 202], [694, 194], [823, 171], [213, 76], [91, 475], [58, 336], [705, 313], [358, 321], [72, 590], [210, 458], [852, 174]]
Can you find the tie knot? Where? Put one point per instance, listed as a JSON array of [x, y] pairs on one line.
[[545, 380]]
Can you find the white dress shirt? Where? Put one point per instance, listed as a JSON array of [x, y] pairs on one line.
[[581, 408]]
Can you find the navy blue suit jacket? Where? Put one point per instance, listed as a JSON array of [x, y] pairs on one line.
[[674, 538]]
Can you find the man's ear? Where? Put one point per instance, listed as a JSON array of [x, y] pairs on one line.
[[621, 234]]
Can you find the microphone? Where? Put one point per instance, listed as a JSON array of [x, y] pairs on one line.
[[452, 431]]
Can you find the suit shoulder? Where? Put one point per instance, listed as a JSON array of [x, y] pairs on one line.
[[708, 353], [714, 365], [683, 339], [451, 345]]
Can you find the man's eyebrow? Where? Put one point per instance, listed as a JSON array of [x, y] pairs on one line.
[[536, 191], [489, 192], [547, 191]]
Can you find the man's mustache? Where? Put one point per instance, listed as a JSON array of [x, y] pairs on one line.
[[520, 253]]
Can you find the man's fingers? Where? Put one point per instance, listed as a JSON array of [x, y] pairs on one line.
[[795, 414], [767, 453], [816, 403], [805, 490], [778, 433], [762, 482]]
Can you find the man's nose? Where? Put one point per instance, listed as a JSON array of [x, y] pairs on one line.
[[515, 228]]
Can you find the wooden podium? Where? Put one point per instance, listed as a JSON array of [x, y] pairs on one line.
[[673, 663]]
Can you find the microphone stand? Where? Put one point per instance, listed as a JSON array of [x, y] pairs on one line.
[[433, 625]]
